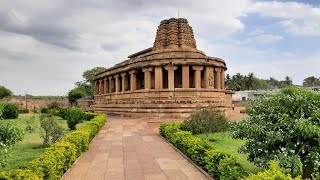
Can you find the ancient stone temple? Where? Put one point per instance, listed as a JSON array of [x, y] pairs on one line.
[[169, 79]]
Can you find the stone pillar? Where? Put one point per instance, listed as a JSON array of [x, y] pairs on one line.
[[197, 76], [171, 70], [100, 86], [110, 84], [96, 84], [158, 78], [106, 85], [117, 83], [217, 78], [133, 80], [124, 82], [185, 77], [147, 77], [208, 77], [222, 79]]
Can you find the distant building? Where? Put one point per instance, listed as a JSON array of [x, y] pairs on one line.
[[250, 95]]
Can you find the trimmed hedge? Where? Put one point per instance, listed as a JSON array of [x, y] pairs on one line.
[[218, 164], [58, 158]]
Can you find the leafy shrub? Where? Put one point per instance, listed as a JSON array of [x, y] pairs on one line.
[[54, 105], [222, 165], [19, 175], [10, 134], [284, 126], [275, 172], [30, 125], [9, 111], [74, 116], [219, 164], [58, 158], [62, 112], [206, 120], [75, 94], [88, 116], [51, 131], [44, 110], [23, 111]]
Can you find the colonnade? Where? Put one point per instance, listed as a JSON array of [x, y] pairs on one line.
[[208, 77]]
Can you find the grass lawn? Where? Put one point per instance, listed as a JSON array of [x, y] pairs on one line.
[[223, 141], [31, 146]]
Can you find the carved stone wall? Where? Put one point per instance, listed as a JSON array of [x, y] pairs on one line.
[[174, 32]]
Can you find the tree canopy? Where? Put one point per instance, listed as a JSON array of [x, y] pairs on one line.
[[284, 126], [311, 81], [239, 82], [87, 85], [5, 92]]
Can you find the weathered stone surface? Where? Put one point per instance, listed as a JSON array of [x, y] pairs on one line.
[[169, 79]]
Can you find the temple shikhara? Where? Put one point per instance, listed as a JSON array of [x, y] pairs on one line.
[[169, 79]]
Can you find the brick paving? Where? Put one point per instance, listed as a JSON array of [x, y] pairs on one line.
[[129, 149]]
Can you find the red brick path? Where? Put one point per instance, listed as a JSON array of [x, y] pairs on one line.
[[130, 149]]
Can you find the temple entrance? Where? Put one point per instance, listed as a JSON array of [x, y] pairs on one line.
[[202, 79], [153, 79], [140, 79], [191, 78], [178, 77], [165, 78]]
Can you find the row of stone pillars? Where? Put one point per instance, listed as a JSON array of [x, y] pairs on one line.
[[213, 78]]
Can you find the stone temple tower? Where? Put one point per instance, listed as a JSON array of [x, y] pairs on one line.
[[171, 78]]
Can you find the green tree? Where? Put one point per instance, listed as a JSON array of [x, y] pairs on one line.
[[75, 94], [284, 126], [311, 81], [5, 92], [87, 85]]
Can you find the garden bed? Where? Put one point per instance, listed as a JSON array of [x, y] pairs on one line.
[[31, 146], [223, 141]]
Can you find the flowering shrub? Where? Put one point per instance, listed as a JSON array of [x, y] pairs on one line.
[[286, 127]]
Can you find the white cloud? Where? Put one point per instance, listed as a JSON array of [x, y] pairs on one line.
[[298, 18], [261, 39]]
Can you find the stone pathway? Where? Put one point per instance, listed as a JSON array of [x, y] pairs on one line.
[[129, 149]]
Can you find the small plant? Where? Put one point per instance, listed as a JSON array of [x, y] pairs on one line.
[[50, 130], [44, 110], [10, 134], [54, 105], [23, 111], [30, 128], [206, 120], [74, 116]]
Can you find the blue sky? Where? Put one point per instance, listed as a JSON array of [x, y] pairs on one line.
[[45, 45]]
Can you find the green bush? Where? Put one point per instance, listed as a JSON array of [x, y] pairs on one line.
[[81, 138], [73, 117], [62, 112], [54, 105], [23, 111], [9, 111], [10, 134], [88, 116], [221, 165], [56, 160], [51, 131], [44, 110], [206, 120], [19, 174], [31, 127], [273, 173], [284, 126]]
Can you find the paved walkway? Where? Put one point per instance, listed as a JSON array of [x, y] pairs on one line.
[[130, 149]]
